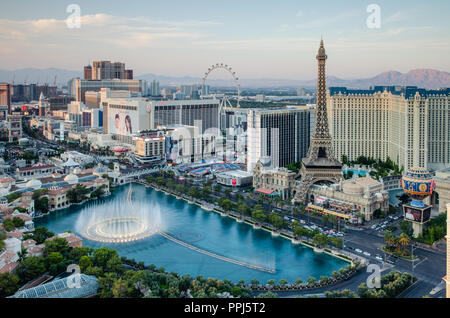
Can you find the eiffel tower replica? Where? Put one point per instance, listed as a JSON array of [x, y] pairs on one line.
[[320, 163]]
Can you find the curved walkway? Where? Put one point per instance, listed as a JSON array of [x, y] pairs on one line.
[[223, 258]]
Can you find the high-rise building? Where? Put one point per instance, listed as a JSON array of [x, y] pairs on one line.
[[149, 148], [43, 106], [283, 135], [88, 72], [409, 125], [104, 70], [5, 96], [81, 86], [200, 113], [154, 88], [14, 127]]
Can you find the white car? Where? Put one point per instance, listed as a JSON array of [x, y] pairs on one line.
[[378, 257], [358, 250], [302, 222], [366, 253]]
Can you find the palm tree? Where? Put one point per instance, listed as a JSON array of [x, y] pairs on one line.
[[404, 240], [389, 239], [22, 254], [298, 281]]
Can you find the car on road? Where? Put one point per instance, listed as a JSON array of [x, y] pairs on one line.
[[378, 257], [390, 261], [350, 248], [366, 253], [358, 250]]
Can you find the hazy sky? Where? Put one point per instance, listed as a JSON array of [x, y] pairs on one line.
[[276, 39]]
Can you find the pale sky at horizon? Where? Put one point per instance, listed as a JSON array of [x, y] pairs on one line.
[[259, 39]]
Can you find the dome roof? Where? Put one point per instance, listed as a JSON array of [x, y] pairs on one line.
[[70, 163], [34, 183], [352, 188], [265, 161], [71, 178]]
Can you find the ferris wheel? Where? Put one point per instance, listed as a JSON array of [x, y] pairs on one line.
[[225, 101]]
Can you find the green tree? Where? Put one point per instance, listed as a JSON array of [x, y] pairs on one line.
[[56, 244], [18, 222], [276, 220], [226, 204], [8, 225], [258, 216], [31, 268], [9, 284], [267, 295], [22, 254], [320, 240], [54, 258], [40, 234], [41, 205], [85, 262], [243, 208]]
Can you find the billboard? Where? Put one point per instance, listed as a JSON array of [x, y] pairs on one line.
[[417, 215], [122, 121]]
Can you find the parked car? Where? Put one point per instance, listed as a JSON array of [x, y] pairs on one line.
[[366, 253], [358, 250]]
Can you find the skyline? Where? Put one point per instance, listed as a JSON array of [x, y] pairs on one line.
[[184, 40]]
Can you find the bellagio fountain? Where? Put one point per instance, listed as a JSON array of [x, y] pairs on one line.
[[119, 221]]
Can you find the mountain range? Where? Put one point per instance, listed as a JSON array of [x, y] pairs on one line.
[[424, 78]]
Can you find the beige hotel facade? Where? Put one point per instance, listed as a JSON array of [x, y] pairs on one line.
[[408, 124]]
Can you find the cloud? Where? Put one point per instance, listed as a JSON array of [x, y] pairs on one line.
[[101, 27], [299, 14]]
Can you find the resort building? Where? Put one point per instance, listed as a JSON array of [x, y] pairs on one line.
[[37, 170], [57, 198], [361, 195], [81, 86], [72, 239], [408, 124], [14, 127], [235, 178], [281, 134], [149, 148], [278, 181]]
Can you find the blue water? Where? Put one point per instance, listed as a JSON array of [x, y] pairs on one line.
[[362, 173], [211, 232]]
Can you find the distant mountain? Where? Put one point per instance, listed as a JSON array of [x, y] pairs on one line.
[[424, 78]]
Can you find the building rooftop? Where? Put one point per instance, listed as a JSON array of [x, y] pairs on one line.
[[408, 91], [62, 288]]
